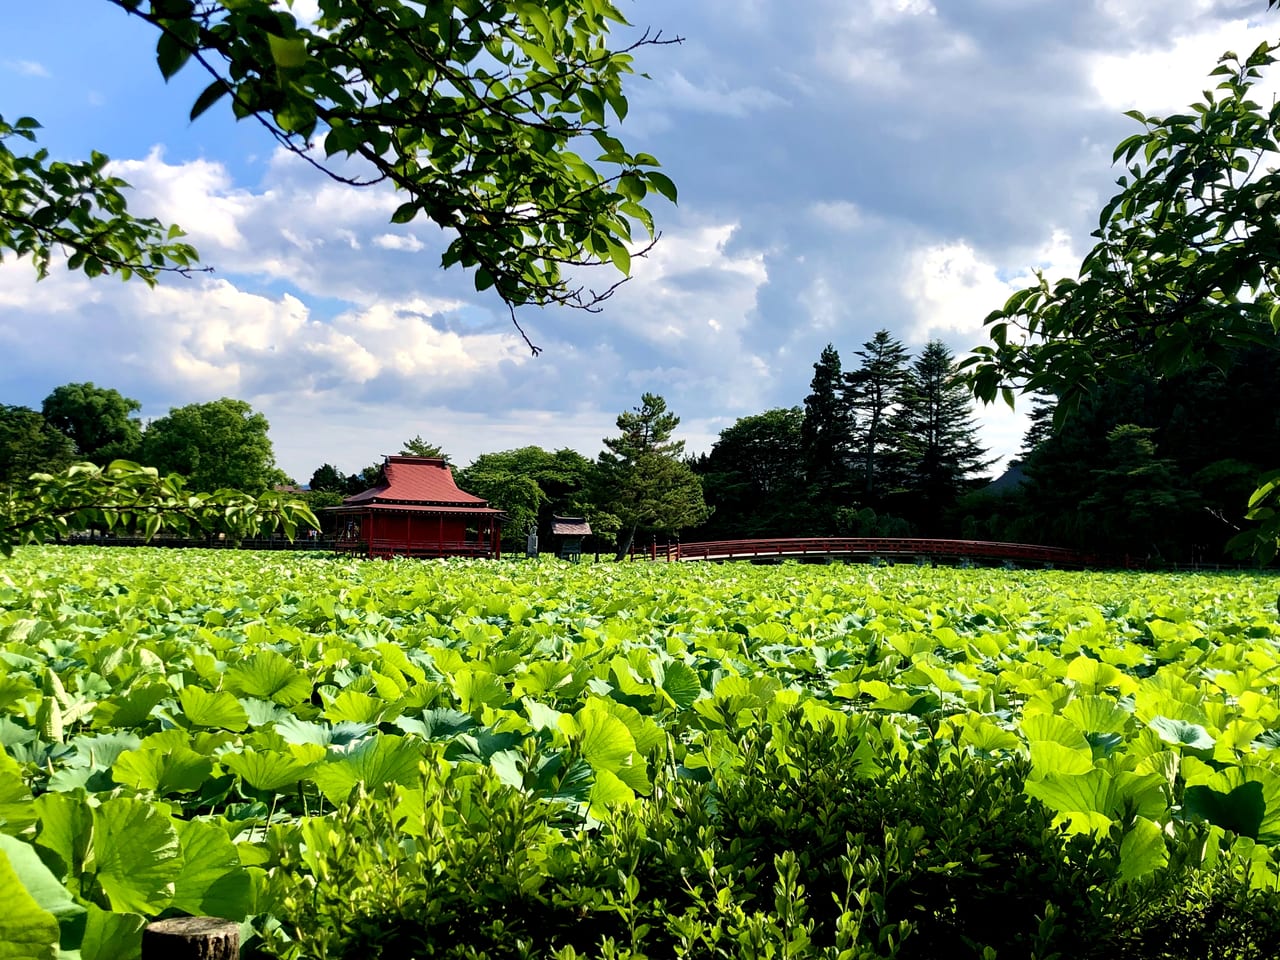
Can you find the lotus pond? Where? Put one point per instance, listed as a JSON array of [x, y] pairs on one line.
[[170, 720]]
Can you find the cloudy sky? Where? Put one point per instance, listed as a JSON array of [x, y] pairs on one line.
[[844, 165]]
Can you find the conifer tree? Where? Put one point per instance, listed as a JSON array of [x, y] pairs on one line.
[[646, 483], [939, 446], [827, 432], [872, 393]]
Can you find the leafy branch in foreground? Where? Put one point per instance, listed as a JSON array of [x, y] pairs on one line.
[[78, 208], [127, 496], [1186, 269], [473, 111]]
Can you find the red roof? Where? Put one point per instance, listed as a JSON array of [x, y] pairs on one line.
[[468, 509], [417, 480]]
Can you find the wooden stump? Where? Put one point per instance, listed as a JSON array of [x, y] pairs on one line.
[[191, 938]]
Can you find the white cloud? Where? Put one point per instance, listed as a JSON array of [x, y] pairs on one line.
[[1163, 78], [838, 214], [28, 68], [397, 241], [952, 287], [717, 97]]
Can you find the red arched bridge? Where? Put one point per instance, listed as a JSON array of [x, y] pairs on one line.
[[866, 548]]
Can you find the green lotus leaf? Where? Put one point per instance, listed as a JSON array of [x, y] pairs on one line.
[[1240, 810], [682, 684], [353, 706], [1048, 726], [381, 760], [477, 688], [266, 770], [132, 709], [1182, 733], [298, 731], [1143, 849], [1049, 756], [212, 881], [137, 855], [541, 716], [269, 675], [27, 930], [65, 835], [166, 771], [17, 809], [220, 710], [988, 737]]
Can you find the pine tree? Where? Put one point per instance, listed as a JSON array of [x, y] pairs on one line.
[[872, 393], [827, 433], [645, 481], [940, 450]]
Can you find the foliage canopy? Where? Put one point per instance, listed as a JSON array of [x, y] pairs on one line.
[[490, 120]]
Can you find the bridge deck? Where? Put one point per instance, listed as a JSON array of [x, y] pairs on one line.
[[913, 547]]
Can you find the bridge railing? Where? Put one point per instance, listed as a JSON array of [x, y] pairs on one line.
[[871, 547]]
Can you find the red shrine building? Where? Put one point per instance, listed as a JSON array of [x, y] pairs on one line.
[[416, 510]]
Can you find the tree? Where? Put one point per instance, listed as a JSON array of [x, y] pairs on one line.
[[478, 114], [827, 434], [530, 484], [1138, 495], [98, 420], [1185, 270], [754, 476], [417, 447], [939, 438], [28, 444], [645, 482], [126, 496], [328, 479], [217, 445], [873, 392]]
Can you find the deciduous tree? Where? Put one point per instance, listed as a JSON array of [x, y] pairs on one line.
[[217, 445], [491, 120], [1186, 270], [98, 420], [28, 444]]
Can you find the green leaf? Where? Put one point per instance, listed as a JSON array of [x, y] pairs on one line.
[[212, 882], [1143, 849], [381, 760], [27, 931], [137, 855], [1240, 810], [208, 97], [65, 835], [1182, 733], [169, 770], [269, 675], [268, 770], [662, 183], [682, 684], [217, 710], [289, 53]]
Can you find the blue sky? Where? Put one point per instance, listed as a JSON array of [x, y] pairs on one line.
[[844, 165]]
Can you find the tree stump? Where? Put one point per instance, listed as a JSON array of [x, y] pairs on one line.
[[191, 938]]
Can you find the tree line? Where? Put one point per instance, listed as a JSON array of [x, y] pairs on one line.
[[1146, 466], [886, 447]]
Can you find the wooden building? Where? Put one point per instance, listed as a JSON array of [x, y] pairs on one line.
[[570, 530], [416, 510]]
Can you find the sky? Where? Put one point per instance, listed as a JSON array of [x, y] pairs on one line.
[[844, 166]]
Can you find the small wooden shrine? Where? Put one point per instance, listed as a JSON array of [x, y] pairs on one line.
[[570, 531]]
